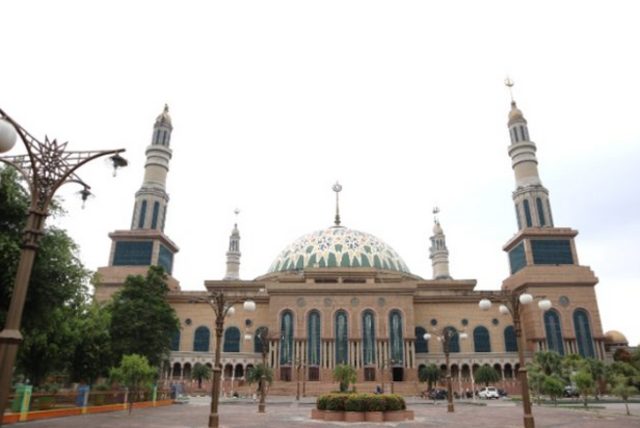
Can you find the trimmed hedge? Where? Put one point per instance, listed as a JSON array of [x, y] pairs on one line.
[[359, 402]]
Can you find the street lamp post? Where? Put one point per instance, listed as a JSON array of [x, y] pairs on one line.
[[298, 367], [446, 336], [263, 337], [45, 167], [513, 302], [222, 307]]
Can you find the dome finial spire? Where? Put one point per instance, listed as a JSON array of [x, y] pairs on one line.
[[337, 188], [508, 82]]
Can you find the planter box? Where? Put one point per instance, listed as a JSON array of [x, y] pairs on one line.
[[354, 416], [332, 415], [374, 416], [410, 415], [317, 414], [395, 416]]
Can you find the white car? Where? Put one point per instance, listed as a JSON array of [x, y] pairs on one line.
[[489, 392]]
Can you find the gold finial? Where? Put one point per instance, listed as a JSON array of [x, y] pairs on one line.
[[337, 188], [509, 84]]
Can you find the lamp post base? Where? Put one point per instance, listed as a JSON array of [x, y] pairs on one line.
[[529, 422], [261, 407], [450, 407], [213, 420]]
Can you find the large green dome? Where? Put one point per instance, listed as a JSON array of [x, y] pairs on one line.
[[338, 247]]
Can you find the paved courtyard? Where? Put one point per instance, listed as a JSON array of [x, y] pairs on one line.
[[284, 412]]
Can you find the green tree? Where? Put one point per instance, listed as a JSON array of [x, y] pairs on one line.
[[536, 377], [486, 374], [430, 374], [597, 369], [200, 372], [553, 386], [345, 375], [135, 373], [254, 375], [622, 388], [91, 356], [571, 364], [550, 362], [142, 322], [584, 382]]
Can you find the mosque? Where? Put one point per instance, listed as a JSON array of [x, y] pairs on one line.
[[343, 296]]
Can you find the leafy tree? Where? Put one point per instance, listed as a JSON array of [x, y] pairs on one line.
[[92, 354], [536, 378], [597, 370], [584, 382], [254, 375], [135, 373], [554, 387], [345, 375], [430, 374], [486, 374], [623, 389], [571, 364], [550, 362], [142, 322], [200, 372], [622, 354]]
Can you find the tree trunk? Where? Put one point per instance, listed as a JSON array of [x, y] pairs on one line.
[[626, 404]]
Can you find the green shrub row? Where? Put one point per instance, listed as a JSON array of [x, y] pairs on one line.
[[361, 402]]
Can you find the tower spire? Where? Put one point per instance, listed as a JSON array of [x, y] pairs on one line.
[[233, 255], [438, 252], [531, 198], [337, 188]]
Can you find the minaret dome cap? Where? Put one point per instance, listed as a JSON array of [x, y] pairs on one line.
[[437, 229], [515, 115], [164, 118]]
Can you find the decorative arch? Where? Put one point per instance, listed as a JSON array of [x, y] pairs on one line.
[[422, 346], [342, 337], [313, 338], [481, 339], [201, 339], [583, 333], [286, 337], [510, 340], [231, 341], [368, 337], [396, 344], [553, 330]]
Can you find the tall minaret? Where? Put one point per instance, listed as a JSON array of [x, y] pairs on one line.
[[438, 252], [531, 198], [233, 255], [150, 208]]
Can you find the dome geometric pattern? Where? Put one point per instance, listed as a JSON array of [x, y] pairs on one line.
[[338, 247]]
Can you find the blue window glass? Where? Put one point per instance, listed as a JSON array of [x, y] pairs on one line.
[[201, 339], [540, 211], [510, 341], [260, 339], [481, 341], [143, 214], [165, 259], [553, 330], [231, 340], [154, 214], [396, 341], [551, 252], [454, 342], [175, 341], [368, 338], [583, 333], [132, 253], [313, 337], [286, 338], [421, 345], [342, 338], [527, 212], [517, 259]]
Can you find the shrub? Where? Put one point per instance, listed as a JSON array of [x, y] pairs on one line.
[[393, 402], [355, 403], [322, 401], [336, 402], [375, 403]]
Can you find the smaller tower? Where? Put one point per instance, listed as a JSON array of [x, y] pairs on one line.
[[233, 255], [438, 252]]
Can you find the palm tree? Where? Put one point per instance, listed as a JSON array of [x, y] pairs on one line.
[[200, 371], [254, 375], [430, 374], [345, 375], [486, 374]]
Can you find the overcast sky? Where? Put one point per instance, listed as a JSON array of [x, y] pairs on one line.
[[401, 101]]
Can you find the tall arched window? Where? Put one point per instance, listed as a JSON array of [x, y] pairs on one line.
[[342, 338], [313, 337], [481, 341], [260, 339], [231, 340], [286, 338], [368, 338], [454, 342], [527, 212], [583, 333], [553, 330], [510, 341], [154, 214], [175, 341], [421, 345], [395, 337], [143, 214], [201, 339], [540, 211]]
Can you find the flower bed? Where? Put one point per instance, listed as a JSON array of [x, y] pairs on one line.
[[356, 407]]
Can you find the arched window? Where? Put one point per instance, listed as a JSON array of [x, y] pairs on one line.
[[313, 337], [395, 337], [527, 212], [201, 339], [286, 338], [421, 345], [481, 341], [583, 333], [510, 341], [540, 211], [553, 330], [154, 214], [342, 338], [231, 340], [368, 337], [143, 214], [260, 339], [454, 342], [175, 341]]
